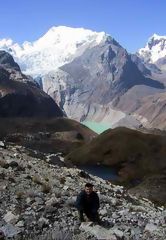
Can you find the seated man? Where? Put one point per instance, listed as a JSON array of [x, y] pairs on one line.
[[88, 202]]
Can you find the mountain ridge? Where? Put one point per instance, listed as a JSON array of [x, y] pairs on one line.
[[51, 44], [151, 53], [88, 73], [19, 95]]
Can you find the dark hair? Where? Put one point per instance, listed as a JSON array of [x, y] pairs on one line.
[[89, 185]]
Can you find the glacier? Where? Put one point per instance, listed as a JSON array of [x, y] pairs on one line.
[[60, 45]]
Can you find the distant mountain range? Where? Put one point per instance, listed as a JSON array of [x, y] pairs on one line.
[[93, 78]]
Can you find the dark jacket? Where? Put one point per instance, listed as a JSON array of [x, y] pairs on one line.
[[87, 202]]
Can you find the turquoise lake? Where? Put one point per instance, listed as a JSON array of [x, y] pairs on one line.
[[101, 171], [96, 127]]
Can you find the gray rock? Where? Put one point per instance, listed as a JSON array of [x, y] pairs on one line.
[[65, 187], [50, 209], [2, 144], [39, 200], [118, 233], [10, 231], [103, 212], [71, 201], [20, 224], [150, 227], [98, 231], [43, 222], [52, 201], [10, 217]]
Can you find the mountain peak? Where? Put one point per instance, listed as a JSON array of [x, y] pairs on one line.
[[156, 36], [55, 48], [155, 49], [72, 35], [5, 43]]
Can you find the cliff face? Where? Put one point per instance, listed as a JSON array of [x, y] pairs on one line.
[[89, 87], [20, 96]]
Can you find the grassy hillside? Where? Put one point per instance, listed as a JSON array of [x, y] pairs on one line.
[[133, 153]]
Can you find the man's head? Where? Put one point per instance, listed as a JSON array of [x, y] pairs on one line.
[[88, 188]]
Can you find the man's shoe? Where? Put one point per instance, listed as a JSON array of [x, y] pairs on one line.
[[97, 223], [82, 220]]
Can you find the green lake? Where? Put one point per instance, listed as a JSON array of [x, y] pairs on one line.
[[96, 126]]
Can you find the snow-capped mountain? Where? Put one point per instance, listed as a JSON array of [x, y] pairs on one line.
[[56, 48], [91, 76], [155, 51]]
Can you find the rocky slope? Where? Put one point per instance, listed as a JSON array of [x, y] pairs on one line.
[[37, 202], [45, 135], [152, 111], [20, 96], [134, 154], [144, 105]]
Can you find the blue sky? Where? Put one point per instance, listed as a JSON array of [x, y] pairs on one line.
[[130, 22]]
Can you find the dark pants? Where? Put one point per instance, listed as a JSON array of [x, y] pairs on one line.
[[91, 215]]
